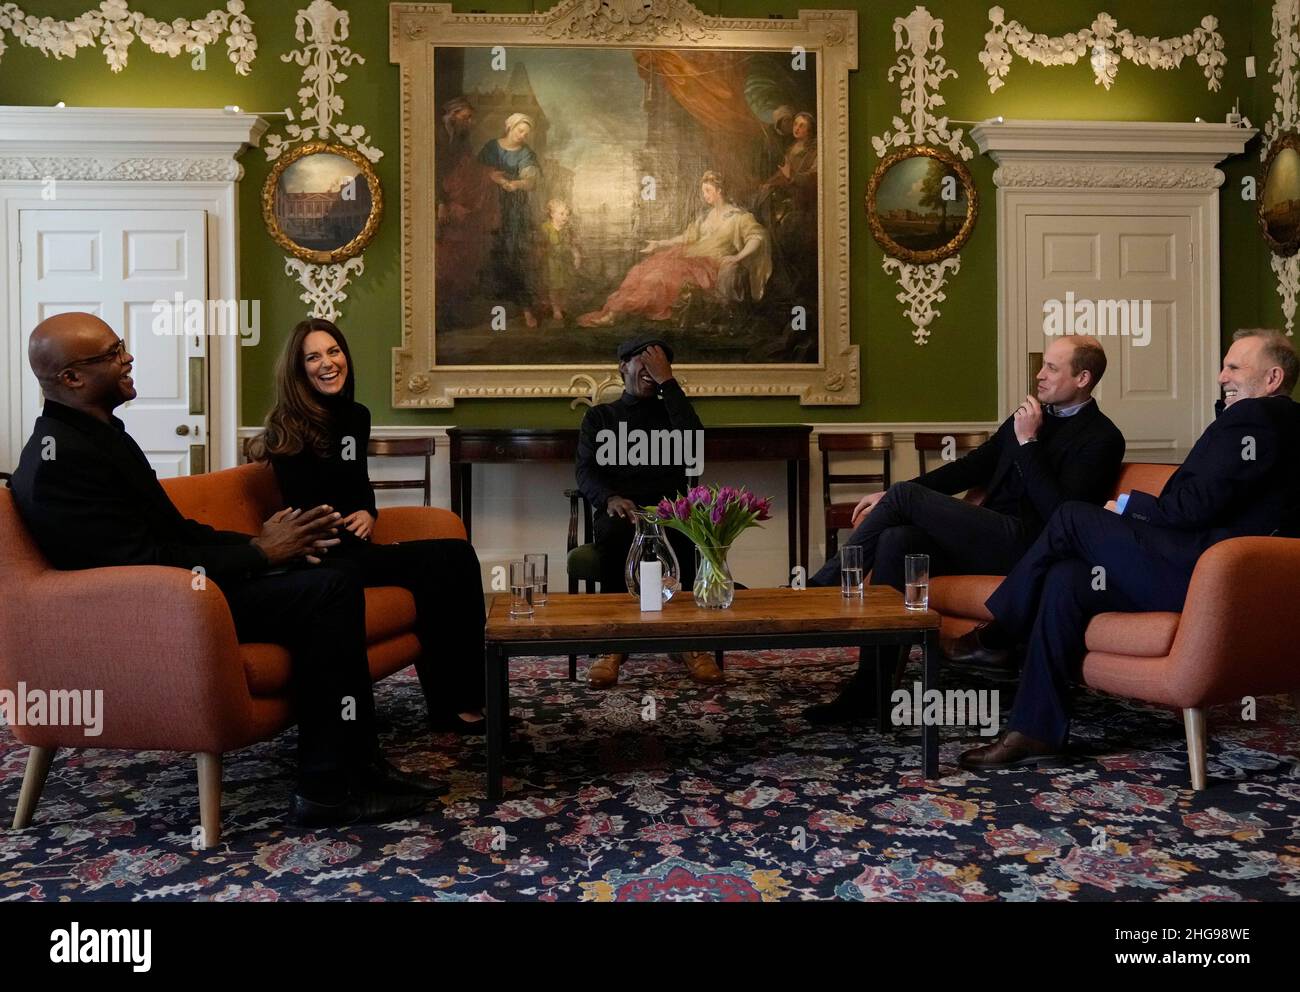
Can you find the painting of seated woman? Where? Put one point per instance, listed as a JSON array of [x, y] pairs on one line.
[[581, 192]]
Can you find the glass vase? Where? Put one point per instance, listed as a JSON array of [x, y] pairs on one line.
[[714, 587], [650, 544]]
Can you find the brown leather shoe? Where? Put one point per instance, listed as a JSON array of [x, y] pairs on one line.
[[1010, 750], [701, 666], [604, 671]]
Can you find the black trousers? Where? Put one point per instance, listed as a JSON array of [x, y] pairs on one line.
[[960, 538], [319, 614], [1087, 560], [613, 541], [444, 578]]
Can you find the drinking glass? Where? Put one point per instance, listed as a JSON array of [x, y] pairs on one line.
[[538, 562], [916, 582], [851, 571], [522, 585]]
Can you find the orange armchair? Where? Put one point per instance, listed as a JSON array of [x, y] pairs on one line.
[[173, 674], [1229, 641]]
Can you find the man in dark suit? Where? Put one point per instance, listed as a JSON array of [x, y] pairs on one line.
[[1137, 553], [652, 401], [90, 499], [1056, 446]]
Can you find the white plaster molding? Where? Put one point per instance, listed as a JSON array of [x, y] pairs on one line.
[[919, 72], [192, 169], [323, 284], [1109, 154], [322, 28], [1028, 175], [920, 288], [95, 144], [114, 26], [920, 69], [1103, 45], [1286, 57]]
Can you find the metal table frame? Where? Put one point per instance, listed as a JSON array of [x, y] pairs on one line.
[[499, 654]]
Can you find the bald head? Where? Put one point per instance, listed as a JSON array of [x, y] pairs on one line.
[[64, 338], [73, 357]]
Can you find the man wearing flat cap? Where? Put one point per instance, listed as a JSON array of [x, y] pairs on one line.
[[652, 400]]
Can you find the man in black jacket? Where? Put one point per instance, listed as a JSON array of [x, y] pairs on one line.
[[90, 500], [1137, 554], [616, 488], [1056, 446]]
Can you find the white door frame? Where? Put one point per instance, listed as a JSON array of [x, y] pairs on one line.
[[126, 159], [1149, 168]]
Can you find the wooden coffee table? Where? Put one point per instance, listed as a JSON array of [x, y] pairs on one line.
[[758, 619]]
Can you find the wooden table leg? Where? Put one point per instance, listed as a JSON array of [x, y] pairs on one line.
[[804, 500], [495, 695], [884, 687], [792, 504], [930, 680]]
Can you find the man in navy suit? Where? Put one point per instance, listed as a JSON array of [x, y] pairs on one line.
[[1137, 553], [1056, 446]]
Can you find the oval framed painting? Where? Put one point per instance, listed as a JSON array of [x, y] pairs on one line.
[[1279, 195], [921, 204], [322, 202]]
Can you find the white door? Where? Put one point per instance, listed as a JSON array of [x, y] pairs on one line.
[[1150, 389], [136, 270]]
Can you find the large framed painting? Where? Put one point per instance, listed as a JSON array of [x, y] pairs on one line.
[[574, 177]]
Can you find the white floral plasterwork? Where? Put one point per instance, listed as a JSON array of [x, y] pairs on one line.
[[322, 28], [920, 288], [322, 59], [1286, 58], [920, 70], [323, 285], [114, 26], [1103, 45]]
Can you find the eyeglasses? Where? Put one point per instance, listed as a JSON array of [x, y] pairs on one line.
[[118, 352]]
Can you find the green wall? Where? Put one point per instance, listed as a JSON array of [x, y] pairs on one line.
[[951, 378]]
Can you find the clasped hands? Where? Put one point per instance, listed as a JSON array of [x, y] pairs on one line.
[[292, 534]]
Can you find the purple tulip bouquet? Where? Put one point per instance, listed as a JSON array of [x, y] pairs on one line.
[[713, 517]]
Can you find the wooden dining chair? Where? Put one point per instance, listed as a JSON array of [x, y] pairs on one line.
[[840, 515], [937, 441], [405, 447]]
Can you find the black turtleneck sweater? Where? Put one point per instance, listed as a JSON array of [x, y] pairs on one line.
[[307, 479], [643, 484]]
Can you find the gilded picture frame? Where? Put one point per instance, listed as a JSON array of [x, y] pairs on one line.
[[908, 198], [552, 342], [322, 202], [1278, 211]]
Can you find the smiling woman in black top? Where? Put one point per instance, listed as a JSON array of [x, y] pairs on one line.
[[316, 438]]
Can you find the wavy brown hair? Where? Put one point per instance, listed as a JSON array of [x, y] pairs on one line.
[[300, 420]]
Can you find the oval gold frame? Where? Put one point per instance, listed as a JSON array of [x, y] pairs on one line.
[[354, 247], [956, 242], [1288, 139]]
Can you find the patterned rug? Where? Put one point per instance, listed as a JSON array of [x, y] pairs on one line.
[[726, 794]]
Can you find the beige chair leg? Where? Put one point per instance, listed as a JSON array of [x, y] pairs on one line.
[[1194, 723], [38, 768], [209, 800]]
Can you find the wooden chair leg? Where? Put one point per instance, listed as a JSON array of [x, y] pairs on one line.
[[573, 668], [1295, 700], [1194, 723], [717, 657], [38, 768], [209, 799]]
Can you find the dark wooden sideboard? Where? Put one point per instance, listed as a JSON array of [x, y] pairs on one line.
[[787, 443]]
